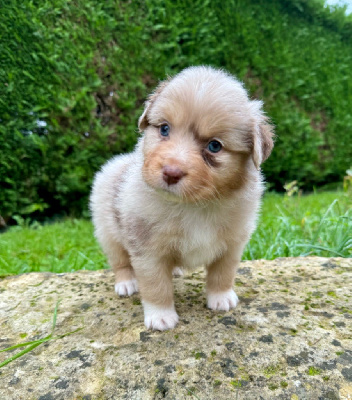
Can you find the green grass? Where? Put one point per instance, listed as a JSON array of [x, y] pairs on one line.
[[316, 224], [59, 247]]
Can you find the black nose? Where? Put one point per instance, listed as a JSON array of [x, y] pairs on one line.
[[172, 174]]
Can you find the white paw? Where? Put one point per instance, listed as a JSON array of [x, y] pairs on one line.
[[159, 318], [126, 288], [222, 301], [177, 271]]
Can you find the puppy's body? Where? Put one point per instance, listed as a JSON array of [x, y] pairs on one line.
[[145, 221], [178, 200]]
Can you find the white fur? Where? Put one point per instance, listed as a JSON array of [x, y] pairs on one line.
[[126, 288], [177, 271], [223, 301], [159, 318]]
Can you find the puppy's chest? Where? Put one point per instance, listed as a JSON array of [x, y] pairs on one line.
[[196, 240]]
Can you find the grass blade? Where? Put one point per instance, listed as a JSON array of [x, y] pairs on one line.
[[66, 334], [17, 346], [320, 248], [33, 344], [20, 354]]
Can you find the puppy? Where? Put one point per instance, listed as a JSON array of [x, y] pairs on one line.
[[189, 193]]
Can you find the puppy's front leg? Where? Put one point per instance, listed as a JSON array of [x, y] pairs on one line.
[[125, 279], [220, 278], [155, 285]]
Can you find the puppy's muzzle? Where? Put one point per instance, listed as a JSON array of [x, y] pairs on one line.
[[172, 174]]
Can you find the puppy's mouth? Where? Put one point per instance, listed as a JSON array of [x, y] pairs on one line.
[[170, 195], [182, 191], [168, 182], [171, 184]]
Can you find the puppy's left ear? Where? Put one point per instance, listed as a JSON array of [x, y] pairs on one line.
[[263, 134], [143, 119]]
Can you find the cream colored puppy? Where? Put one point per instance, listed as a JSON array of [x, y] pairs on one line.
[[189, 193]]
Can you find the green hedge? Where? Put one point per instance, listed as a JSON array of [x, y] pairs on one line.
[[74, 75]]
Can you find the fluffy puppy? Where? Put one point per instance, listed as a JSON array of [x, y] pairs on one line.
[[189, 193]]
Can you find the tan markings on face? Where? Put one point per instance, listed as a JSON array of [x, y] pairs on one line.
[[229, 166], [232, 174], [207, 175], [195, 185], [204, 121]]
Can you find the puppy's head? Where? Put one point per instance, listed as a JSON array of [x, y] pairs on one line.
[[202, 135]]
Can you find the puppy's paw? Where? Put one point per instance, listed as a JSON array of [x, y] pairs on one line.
[[222, 301], [159, 318], [126, 288], [177, 271]]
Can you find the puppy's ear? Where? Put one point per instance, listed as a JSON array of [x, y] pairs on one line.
[[143, 119], [263, 135]]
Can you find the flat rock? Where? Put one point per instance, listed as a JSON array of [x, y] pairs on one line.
[[290, 337]]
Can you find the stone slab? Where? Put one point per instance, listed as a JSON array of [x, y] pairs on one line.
[[289, 338]]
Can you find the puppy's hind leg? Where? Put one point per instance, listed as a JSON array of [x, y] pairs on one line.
[[125, 278]]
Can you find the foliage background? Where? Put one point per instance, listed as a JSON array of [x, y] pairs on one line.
[[74, 75]]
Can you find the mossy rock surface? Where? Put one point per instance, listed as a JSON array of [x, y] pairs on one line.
[[289, 338]]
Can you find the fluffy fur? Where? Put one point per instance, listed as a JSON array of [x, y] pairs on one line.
[[173, 202]]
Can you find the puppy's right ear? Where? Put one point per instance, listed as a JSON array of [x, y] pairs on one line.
[[143, 119]]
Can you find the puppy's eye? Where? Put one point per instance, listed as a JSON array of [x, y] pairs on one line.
[[214, 146], [164, 130]]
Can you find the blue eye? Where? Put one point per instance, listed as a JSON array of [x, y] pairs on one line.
[[214, 146], [164, 130]]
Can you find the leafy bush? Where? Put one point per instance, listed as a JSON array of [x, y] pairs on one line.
[[74, 75]]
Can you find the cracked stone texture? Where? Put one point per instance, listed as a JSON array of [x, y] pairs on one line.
[[289, 338]]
